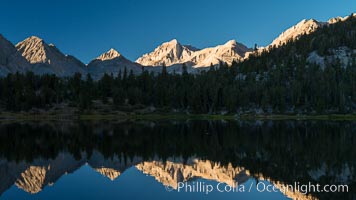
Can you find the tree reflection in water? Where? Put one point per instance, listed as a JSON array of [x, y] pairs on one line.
[[37, 154]]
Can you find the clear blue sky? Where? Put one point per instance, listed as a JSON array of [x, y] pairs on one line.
[[85, 29]]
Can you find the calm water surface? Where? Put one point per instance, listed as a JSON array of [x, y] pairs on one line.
[[176, 159]]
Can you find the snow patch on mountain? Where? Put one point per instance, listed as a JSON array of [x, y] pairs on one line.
[[344, 55]]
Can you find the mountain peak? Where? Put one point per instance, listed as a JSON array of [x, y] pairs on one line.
[[10, 59], [173, 41], [306, 21], [112, 50], [109, 55], [305, 26], [110, 173], [231, 43], [34, 38], [340, 19], [111, 62], [47, 58], [172, 52], [168, 53], [34, 49]]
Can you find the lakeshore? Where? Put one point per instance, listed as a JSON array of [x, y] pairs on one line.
[[23, 116]]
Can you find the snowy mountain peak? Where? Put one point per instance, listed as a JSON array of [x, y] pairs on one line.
[[340, 19], [294, 32], [48, 59], [168, 53], [34, 49], [173, 41], [227, 53], [111, 62], [34, 39], [109, 55], [231, 43], [305, 21], [305, 27], [172, 52], [31, 38]]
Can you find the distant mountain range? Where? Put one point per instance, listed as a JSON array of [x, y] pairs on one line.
[[34, 54], [172, 52]]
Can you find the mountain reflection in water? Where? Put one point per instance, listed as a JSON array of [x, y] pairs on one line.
[[35, 155]]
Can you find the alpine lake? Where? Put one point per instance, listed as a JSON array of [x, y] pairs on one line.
[[177, 159]]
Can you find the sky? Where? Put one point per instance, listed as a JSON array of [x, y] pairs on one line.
[[87, 28]]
